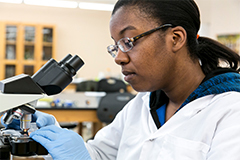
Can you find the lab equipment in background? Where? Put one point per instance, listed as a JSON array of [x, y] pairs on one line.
[[111, 85], [115, 99], [18, 97], [87, 86], [73, 100], [111, 104]]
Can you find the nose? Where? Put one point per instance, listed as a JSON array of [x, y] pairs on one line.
[[122, 58]]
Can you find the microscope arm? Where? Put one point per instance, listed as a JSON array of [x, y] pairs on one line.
[[9, 101]]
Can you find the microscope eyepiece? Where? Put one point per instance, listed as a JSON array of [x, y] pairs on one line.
[[65, 59], [72, 65], [53, 77]]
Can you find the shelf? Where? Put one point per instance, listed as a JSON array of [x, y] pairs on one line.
[[26, 43], [7, 61], [47, 44], [11, 42]]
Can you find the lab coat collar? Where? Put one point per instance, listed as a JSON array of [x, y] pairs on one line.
[[151, 124], [145, 99], [183, 115]]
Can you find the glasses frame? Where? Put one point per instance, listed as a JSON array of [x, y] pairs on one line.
[[131, 40]]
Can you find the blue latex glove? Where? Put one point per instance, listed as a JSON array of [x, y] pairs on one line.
[[14, 125], [61, 143], [41, 119]]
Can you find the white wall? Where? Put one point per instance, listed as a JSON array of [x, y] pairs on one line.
[[219, 17], [226, 17], [86, 32]]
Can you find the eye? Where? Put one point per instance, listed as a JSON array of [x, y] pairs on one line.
[[127, 44]]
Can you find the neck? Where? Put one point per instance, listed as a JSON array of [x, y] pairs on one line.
[[187, 81]]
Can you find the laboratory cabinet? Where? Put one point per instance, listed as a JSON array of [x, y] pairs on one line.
[[25, 47]]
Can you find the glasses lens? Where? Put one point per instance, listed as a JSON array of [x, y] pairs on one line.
[[125, 44], [112, 49]]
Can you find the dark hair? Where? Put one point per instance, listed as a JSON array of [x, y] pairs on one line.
[[185, 13]]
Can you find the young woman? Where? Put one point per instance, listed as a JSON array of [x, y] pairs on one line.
[[187, 107]]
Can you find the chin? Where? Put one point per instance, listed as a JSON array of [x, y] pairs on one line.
[[141, 88]]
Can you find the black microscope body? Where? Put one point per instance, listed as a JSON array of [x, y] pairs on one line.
[[19, 96]]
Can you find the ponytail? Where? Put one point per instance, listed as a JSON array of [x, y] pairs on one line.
[[211, 53]]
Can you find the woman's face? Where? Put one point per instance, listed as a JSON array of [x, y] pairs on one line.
[[149, 66]]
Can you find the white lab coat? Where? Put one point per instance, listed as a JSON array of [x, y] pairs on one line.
[[206, 129]]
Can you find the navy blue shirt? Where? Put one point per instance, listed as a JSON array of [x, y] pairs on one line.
[[218, 81]]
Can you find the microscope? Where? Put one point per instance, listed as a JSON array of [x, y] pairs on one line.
[[19, 95]]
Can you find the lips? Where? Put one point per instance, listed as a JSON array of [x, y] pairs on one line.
[[128, 75]]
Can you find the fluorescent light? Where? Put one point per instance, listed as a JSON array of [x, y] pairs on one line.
[[96, 6], [12, 1], [52, 3]]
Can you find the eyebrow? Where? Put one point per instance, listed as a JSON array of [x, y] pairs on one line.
[[127, 28]]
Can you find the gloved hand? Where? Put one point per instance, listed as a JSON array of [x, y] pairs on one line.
[[41, 119], [61, 143], [14, 125]]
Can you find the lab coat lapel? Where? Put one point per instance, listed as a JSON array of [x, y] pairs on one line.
[[152, 127], [182, 116]]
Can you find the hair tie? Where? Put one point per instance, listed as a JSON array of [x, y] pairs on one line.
[[197, 36]]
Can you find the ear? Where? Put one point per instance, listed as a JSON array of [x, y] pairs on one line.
[[178, 38]]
